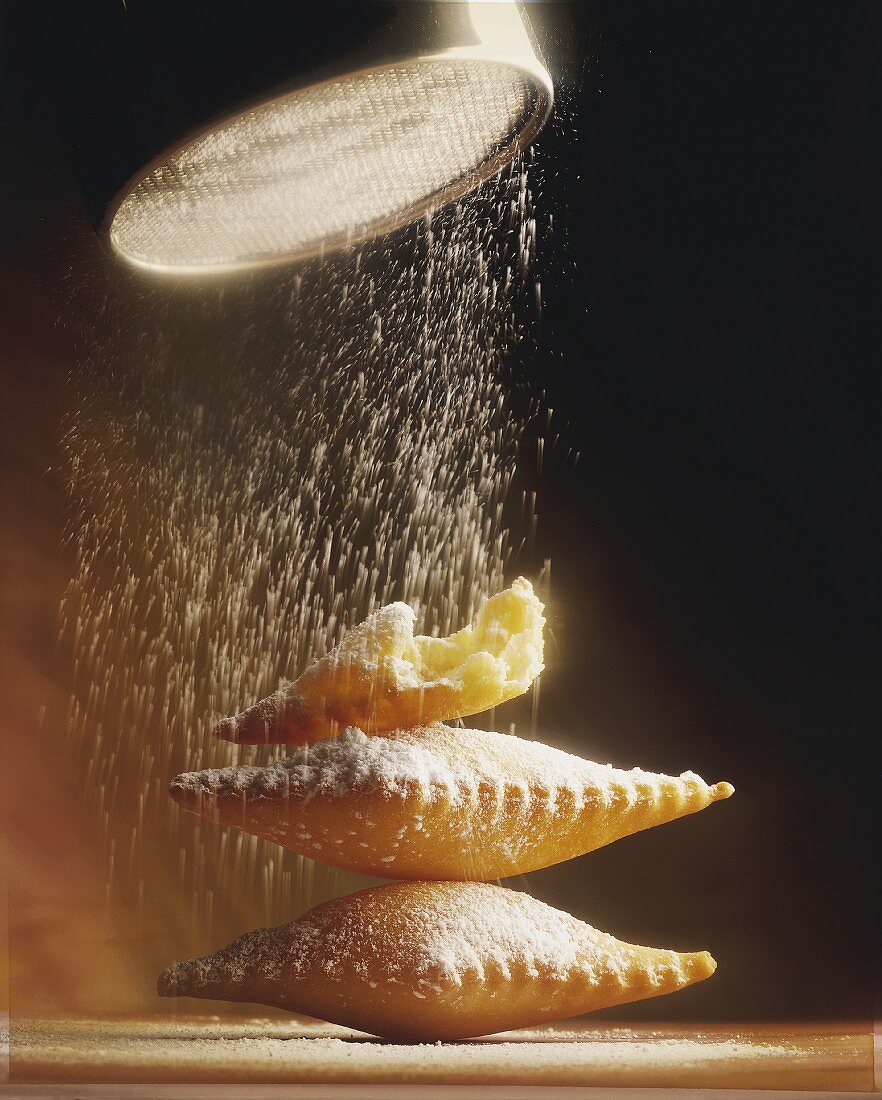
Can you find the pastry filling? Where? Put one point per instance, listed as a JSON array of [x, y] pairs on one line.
[[501, 652]]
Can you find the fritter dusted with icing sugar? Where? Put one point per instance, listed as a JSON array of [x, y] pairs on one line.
[[435, 960], [383, 677], [437, 802]]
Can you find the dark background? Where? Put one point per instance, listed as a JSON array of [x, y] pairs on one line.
[[707, 335], [712, 343]]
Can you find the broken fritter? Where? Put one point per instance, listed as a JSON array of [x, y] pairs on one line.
[[383, 677]]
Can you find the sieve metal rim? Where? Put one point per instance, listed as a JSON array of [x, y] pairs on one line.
[[537, 77]]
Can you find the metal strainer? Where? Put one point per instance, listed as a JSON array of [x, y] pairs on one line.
[[341, 159]]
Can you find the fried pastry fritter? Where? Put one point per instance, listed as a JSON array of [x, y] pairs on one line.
[[439, 802], [435, 960], [382, 676]]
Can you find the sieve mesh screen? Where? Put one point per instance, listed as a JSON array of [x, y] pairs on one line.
[[332, 163]]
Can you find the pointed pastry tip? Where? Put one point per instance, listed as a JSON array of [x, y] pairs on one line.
[[167, 984], [185, 788], [722, 790], [281, 718], [226, 730], [700, 965]]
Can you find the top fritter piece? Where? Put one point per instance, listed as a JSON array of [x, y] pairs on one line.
[[383, 677]]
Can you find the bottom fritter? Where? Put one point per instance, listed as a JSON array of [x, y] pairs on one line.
[[435, 960]]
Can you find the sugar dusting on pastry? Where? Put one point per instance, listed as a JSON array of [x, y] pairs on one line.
[[435, 759], [450, 934], [382, 676], [502, 651], [474, 957], [440, 802]]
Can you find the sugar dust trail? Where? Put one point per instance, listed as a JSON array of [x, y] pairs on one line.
[[252, 466]]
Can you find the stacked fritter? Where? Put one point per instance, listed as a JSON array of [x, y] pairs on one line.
[[381, 786]]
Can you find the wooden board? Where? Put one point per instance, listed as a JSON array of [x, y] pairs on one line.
[[193, 1049]]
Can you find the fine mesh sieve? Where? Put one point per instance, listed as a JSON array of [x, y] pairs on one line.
[[341, 159], [327, 165]]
